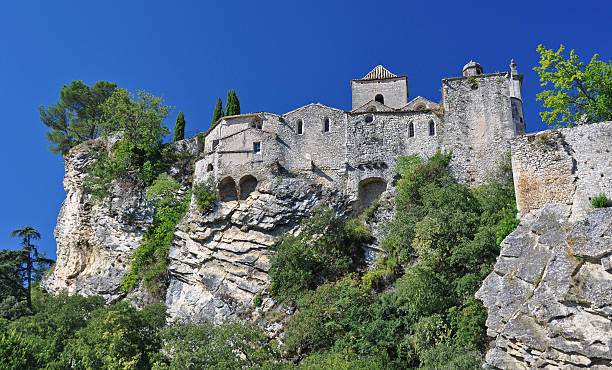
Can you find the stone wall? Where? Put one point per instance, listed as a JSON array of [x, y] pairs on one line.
[[566, 166], [394, 91]]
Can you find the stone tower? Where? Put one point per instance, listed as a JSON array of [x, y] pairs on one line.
[[472, 69], [516, 82], [382, 86]]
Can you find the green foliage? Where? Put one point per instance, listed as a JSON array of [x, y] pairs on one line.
[[118, 337], [601, 201], [444, 356], [342, 360], [205, 195], [77, 116], [14, 351], [257, 301], [179, 127], [232, 105], [579, 92], [324, 250], [139, 155], [218, 112], [150, 260], [326, 315], [203, 346]]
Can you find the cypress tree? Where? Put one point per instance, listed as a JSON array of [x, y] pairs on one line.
[[179, 127], [218, 112], [232, 106]]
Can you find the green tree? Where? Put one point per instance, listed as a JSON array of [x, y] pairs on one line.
[[232, 105], [76, 117], [179, 127], [578, 92], [34, 264], [218, 112]]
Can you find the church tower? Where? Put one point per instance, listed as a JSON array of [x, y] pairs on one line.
[[382, 86]]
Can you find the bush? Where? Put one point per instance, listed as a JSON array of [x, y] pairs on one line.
[[205, 195], [325, 250], [150, 260], [601, 201], [231, 345]]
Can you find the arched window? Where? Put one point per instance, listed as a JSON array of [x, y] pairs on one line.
[[372, 109], [209, 167], [326, 124], [380, 98], [419, 107], [300, 127], [432, 128], [411, 130]]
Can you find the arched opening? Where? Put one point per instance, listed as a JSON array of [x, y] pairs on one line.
[[432, 128], [248, 184], [411, 130], [227, 190], [369, 118], [326, 124], [300, 127], [209, 167], [372, 109], [370, 190], [380, 98], [419, 107]]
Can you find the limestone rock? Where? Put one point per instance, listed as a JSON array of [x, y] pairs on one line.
[[220, 261], [550, 294], [95, 239]]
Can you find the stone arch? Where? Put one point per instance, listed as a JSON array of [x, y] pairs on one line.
[[419, 107], [380, 98], [248, 184], [227, 190], [370, 190], [209, 167]]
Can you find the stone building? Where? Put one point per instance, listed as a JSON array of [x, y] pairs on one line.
[[356, 151]]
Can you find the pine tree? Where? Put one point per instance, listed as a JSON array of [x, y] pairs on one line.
[[218, 113], [179, 127], [232, 106]]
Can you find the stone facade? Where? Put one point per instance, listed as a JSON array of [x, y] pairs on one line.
[[347, 150], [565, 166]]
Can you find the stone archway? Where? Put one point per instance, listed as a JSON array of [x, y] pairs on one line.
[[227, 190], [248, 184], [370, 190]]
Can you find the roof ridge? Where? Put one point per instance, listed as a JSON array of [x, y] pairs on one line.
[[379, 73]]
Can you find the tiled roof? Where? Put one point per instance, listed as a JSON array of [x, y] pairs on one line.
[[379, 73]]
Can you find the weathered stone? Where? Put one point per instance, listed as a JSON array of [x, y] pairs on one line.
[[561, 319]]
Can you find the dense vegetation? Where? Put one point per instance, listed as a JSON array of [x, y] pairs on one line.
[[417, 307]]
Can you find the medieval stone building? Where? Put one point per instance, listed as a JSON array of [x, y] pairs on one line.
[[356, 151]]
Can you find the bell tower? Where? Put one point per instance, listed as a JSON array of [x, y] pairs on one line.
[[382, 86]]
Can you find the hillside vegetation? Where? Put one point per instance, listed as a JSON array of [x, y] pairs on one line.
[[416, 308]]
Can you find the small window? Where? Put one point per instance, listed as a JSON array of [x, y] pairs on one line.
[[209, 167], [326, 124], [372, 109], [369, 118], [411, 130], [380, 98], [256, 147], [300, 127], [215, 143], [256, 123], [419, 107], [432, 128]]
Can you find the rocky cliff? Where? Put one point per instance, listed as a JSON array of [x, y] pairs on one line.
[[219, 260], [550, 295]]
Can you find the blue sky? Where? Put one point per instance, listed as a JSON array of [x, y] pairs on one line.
[[277, 56]]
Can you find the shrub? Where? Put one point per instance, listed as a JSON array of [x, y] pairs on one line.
[[150, 260], [205, 195], [325, 250], [601, 201]]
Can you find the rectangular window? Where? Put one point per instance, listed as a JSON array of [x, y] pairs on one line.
[[256, 147], [215, 143], [411, 130]]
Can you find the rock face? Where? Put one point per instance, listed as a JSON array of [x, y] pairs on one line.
[[95, 239], [220, 261], [550, 294]]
